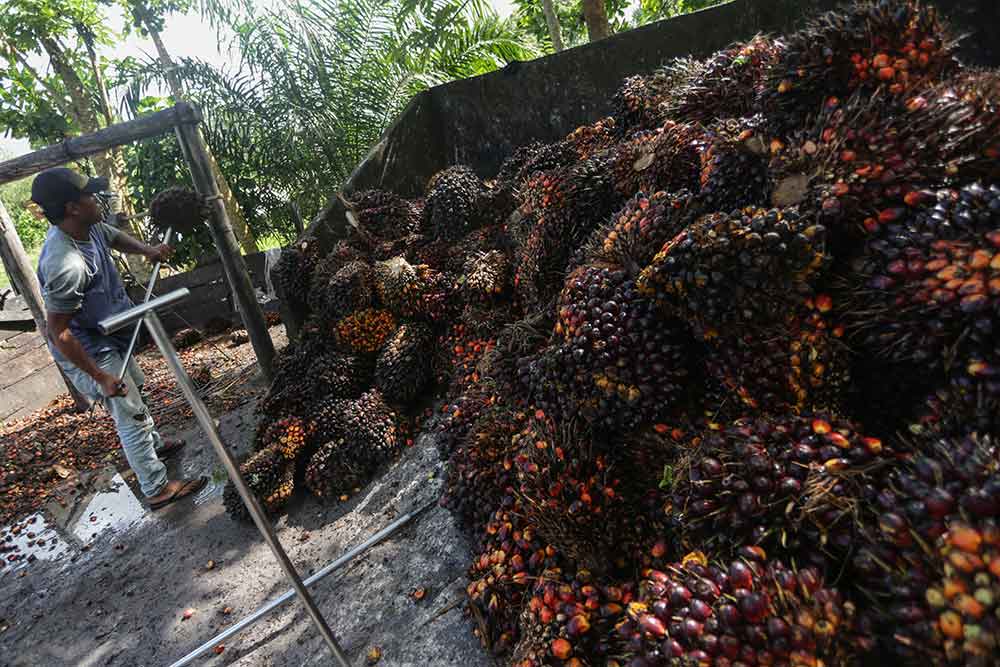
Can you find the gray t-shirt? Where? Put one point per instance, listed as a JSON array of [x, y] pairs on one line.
[[80, 278]]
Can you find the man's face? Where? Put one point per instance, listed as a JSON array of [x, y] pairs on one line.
[[86, 210]]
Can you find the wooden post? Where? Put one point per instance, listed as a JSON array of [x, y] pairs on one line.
[[196, 154], [90, 144], [18, 267]]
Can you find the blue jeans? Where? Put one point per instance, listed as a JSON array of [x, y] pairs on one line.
[[132, 420]]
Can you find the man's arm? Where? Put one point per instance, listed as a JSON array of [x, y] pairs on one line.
[[69, 347], [122, 242]]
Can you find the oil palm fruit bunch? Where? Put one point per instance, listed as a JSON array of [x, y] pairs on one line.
[[403, 367], [789, 483], [509, 558], [751, 611], [588, 140], [391, 278], [486, 276], [482, 320], [744, 268], [385, 215], [564, 207], [637, 232], [498, 366], [577, 499], [801, 363], [527, 160], [289, 436], [927, 555], [733, 167], [271, 477], [897, 45], [929, 280], [365, 331], [481, 472], [459, 355], [452, 203], [725, 85], [971, 399], [639, 103], [457, 415], [359, 436], [570, 618], [335, 296], [663, 159], [317, 373], [415, 291], [293, 272], [178, 208], [613, 360]]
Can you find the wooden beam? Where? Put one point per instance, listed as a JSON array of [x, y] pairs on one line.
[[197, 155], [18, 267], [75, 148]]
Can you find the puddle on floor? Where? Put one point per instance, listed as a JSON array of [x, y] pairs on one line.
[[31, 539], [60, 531]]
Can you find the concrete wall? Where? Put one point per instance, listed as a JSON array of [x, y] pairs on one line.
[[480, 121]]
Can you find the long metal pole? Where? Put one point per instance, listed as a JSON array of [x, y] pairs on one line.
[[138, 325], [204, 418], [289, 594]]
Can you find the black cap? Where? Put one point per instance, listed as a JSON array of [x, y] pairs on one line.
[[54, 188]]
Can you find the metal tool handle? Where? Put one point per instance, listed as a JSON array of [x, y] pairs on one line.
[[136, 313], [138, 324]]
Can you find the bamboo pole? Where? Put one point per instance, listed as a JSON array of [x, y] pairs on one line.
[[18, 266], [197, 155]]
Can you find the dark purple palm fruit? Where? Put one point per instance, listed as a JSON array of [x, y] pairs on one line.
[[385, 215], [792, 484], [929, 532], [733, 172], [403, 367], [452, 204], [740, 269], [612, 359], [751, 611]]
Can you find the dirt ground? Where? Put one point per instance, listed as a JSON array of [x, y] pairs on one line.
[[111, 583]]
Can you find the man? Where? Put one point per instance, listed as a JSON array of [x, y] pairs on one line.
[[81, 287]]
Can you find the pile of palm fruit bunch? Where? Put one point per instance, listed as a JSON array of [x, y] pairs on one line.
[[716, 377]]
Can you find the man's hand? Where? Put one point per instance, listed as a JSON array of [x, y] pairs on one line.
[[160, 253], [111, 386]]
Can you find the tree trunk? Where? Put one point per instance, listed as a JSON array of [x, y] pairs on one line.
[[238, 221], [106, 164], [596, 18], [552, 20]]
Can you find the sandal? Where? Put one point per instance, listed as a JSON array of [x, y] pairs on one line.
[[169, 448], [190, 487]]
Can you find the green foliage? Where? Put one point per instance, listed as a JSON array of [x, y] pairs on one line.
[[529, 18], [16, 198], [654, 10]]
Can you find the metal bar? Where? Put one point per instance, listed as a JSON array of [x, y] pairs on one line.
[[289, 594], [204, 417], [136, 313], [138, 325]]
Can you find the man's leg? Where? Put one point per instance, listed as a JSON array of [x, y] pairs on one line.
[[135, 429]]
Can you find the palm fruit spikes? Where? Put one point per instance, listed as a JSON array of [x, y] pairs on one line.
[[794, 483], [741, 269], [486, 276], [749, 611], [403, 367], [365, 331], [178, 208], [271, 478]]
